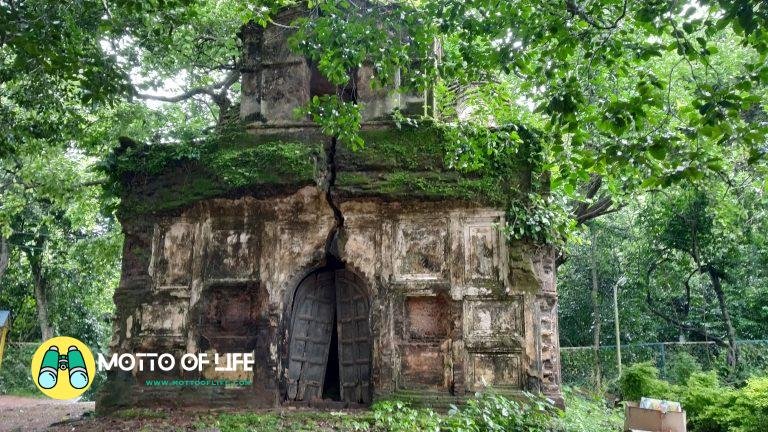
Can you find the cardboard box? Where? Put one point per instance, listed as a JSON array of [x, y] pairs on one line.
[[641, 419]]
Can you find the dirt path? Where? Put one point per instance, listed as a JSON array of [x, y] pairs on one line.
[[36, 414]]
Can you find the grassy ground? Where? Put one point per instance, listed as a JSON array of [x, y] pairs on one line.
[[583, 414]]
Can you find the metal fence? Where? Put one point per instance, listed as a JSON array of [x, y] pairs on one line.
[[578, 363]]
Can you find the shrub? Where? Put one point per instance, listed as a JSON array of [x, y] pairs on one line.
[[751, 406], [680, 366], [707, 403], [489, 412], [15, 378], [642, 379], [398, 416], [710, 405], [586, 412]]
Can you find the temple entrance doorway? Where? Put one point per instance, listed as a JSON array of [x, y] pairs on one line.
[[330, 340]]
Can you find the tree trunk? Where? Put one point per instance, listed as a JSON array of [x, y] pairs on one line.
[[41, 291], [3, 257], [616, 325], [733, 349], [596, 310]]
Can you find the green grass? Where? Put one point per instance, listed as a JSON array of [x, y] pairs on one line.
[[140, 414], [292, 421], [486, 413], [584, 413], [589, 413]]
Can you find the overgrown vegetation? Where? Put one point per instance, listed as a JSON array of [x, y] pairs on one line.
[[484, 413], [710, 405], [156, 177], [14, 372], [15, 378]]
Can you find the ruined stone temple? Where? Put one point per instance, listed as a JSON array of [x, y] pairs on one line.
[[351, 275]]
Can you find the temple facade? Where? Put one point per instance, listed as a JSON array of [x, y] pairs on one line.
[[350, 275]]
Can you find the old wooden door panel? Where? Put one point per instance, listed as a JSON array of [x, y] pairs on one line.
[[354, 339], [311, 328]]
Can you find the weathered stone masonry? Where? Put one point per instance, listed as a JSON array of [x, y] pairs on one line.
[[408, 289]]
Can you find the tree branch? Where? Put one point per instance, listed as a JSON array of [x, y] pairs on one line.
[[654, 309], [576, 9], [602, 207], [217, 91]]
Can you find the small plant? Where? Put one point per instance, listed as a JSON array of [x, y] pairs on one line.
[[491, 412], [642, 380], [398, 416], [336, 118]]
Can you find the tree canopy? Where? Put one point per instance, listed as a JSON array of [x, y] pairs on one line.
[[656, 106]]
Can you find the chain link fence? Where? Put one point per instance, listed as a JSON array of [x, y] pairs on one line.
[[578, 363]]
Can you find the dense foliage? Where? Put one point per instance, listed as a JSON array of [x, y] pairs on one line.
[[710, 406], [483, 413], [692, 265]]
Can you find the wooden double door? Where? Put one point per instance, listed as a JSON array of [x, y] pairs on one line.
[[330, 329]]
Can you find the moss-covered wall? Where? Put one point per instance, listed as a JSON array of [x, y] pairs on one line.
[[394, 164]]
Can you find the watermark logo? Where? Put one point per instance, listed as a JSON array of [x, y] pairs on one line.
[[63, 368]]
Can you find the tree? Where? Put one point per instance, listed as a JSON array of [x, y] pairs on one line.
[[707, 227], [631, 96], [692, 258], [595, 295], [628, 97]]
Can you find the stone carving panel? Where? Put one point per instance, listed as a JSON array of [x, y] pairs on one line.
[[477, 249], [420, 250], [493, 370], [422, 366], [427, 318], [233, 254], [493, 324], [172, 257], [550, 348], [164, 317], [481, 242], [231, 319]]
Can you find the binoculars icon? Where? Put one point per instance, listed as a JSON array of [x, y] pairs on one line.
[[72, 361]]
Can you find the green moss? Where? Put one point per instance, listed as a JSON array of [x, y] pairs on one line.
[[167, 176], [412, 162], [352, 179], [274, 162], [428, 185], [405, 149], [398, 163]]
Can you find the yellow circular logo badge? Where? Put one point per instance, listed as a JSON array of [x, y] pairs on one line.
[[63, 368]]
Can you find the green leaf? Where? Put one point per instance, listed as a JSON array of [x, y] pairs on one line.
[[658, 150]]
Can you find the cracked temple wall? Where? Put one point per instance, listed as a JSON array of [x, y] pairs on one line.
[[454, 306]]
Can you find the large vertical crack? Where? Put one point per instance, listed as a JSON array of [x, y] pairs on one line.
[[332, 242]]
